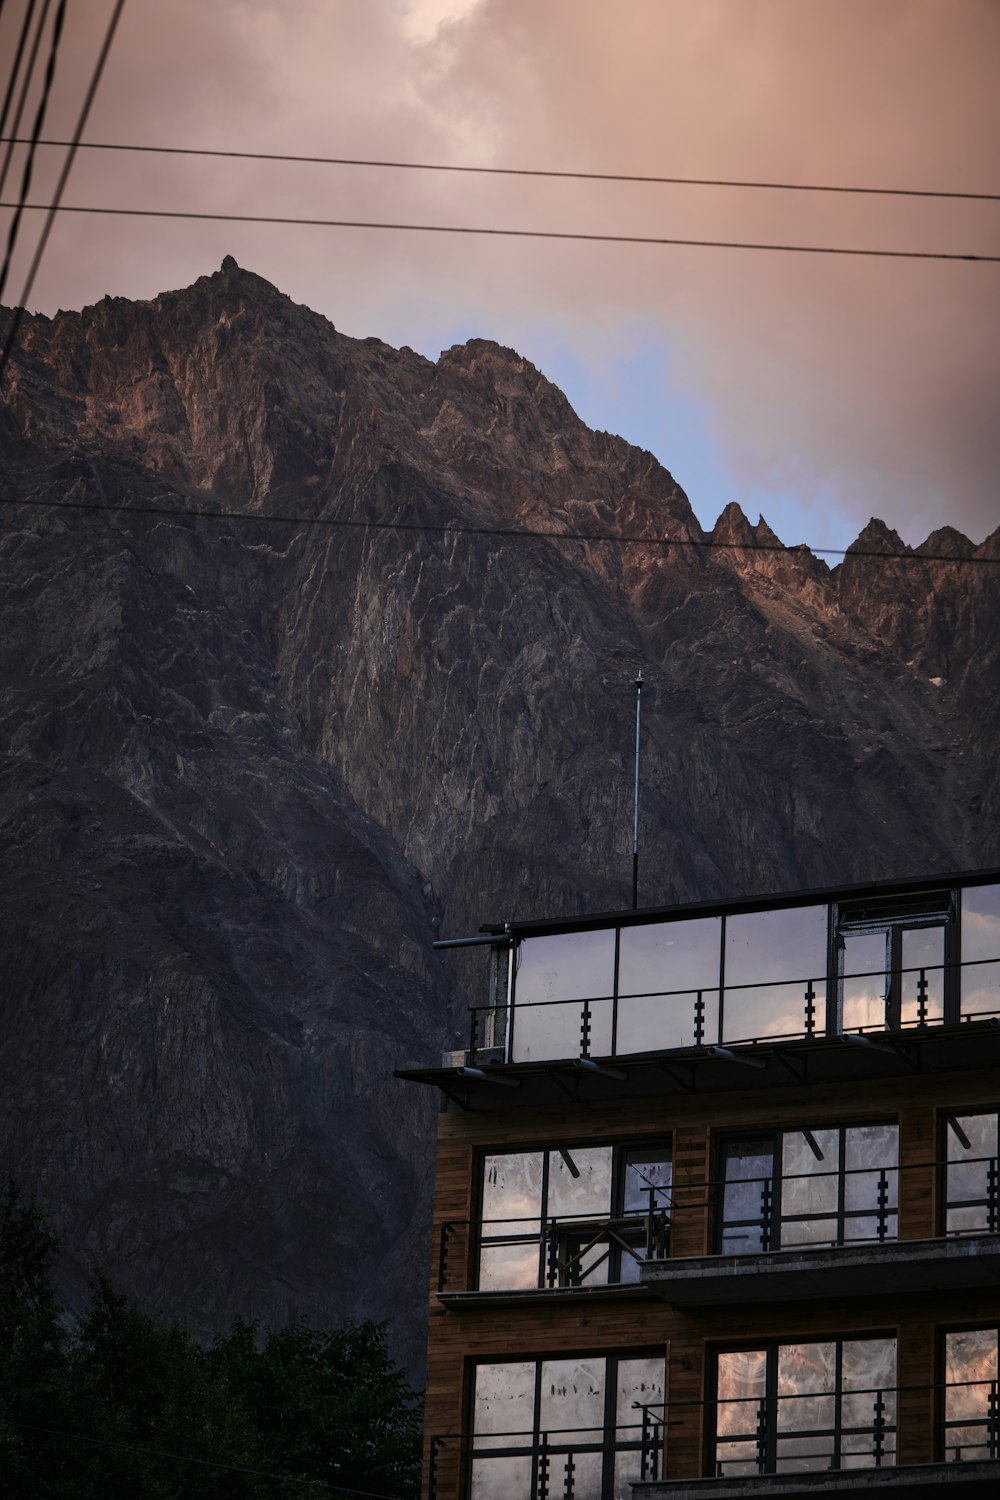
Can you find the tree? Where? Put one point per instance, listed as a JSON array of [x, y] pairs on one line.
[[328, 1406]]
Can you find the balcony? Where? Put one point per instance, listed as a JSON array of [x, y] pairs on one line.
[[815, 1207], [858, 961]]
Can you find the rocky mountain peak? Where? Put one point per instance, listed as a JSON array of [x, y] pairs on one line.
[[250, 767]]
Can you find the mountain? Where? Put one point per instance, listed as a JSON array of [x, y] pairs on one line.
[[287, 692]]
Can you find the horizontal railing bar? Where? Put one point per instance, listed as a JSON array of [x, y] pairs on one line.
[[712, 987]]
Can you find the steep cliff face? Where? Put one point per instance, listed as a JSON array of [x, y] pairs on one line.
[[252, 765]]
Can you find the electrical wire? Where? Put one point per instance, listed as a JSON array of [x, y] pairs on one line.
[[22, 100], [510, 533], [185, 1458], [21, 44], [53, 207], [526, 234], [29, 163], [429, 166]]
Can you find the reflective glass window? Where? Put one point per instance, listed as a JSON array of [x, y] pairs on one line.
[[572, 1421], [800, 1406], [981, 950], [572, 1215], [808, 1186], [772, 959], [554, 976], [972, 1175], [866, 980], [661, 968], [922, 977], [971, 1382]]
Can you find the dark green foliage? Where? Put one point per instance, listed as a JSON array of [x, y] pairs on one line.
[[127, 1407]]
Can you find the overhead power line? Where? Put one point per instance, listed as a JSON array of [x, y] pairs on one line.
[[52, 208], [527, 234], [483, 171], [512, 533], [29, 160], [22, 99]]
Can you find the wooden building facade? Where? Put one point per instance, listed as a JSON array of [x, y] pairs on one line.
[[717, 1205]]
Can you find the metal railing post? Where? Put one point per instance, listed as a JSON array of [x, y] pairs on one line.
[[585, 1030], [878, 1429], [699, 1018], [810, 1009], [446, 1230]]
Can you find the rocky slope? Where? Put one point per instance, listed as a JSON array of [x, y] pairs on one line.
[[251, 766]]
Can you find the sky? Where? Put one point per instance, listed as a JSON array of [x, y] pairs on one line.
[[815, 390]]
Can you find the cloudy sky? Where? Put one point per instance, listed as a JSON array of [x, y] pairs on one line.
[[818, 390]]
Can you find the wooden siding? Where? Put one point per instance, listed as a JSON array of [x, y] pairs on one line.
[[459, 1336]]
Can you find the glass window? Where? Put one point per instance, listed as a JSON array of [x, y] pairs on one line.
[[971, 1417], [866, 980], [661, 968], [892, 957], [573, 1424], [922, 978], [833, 1186], [981, 950], [747, 1172], [572, 1215], [554, 976], [972, 1173], [772, 959], [818, 1404]]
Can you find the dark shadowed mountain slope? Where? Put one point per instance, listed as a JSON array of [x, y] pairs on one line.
[[252, 765]]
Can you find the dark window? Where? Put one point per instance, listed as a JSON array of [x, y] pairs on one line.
[[572, 1215], [825, 1404], [971, 1205], [971, 1415], [571, 1425], [809, 1186]]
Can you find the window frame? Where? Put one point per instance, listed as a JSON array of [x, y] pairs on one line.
[[949, 1125], [771, 1348], [991, 1420], [770, 1224], [552, 1249], [608, 1446]]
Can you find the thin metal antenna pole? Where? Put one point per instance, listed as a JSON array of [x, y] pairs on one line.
[[635, 825]]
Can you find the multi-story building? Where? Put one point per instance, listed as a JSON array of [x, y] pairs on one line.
[[717, 1203]]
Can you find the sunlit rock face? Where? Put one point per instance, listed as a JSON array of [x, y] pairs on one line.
[[252, 767]]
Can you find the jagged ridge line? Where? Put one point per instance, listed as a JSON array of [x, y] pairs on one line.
[[518, 533]]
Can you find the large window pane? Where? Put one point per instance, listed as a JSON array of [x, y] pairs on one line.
[[807, 1378], [923, 949], [504, 1405], [810, 1187], [971, 1147], [866, 980], [572, 1400], [763, 949], [808, 1405], [506, 1478], [981, 940], [970, 1428], [511, 1220], [871, 1182], [747, 1169], [742, 1376], [580, 1193], [868, 1403], [668, 957], [554, 975]]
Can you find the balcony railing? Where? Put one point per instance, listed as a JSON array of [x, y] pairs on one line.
[[565, 1250], [789, 1432], [783, 1010], [577, 1250]]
